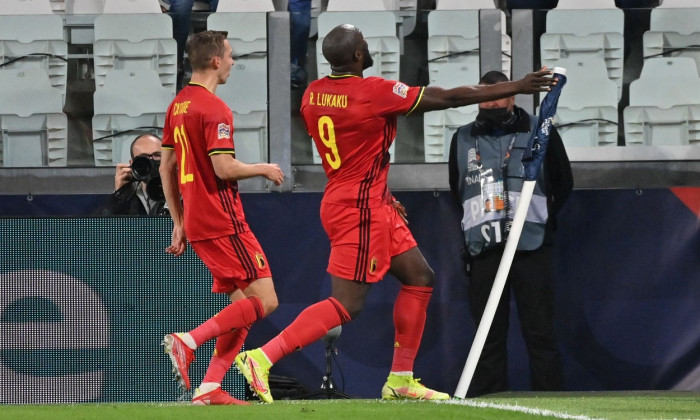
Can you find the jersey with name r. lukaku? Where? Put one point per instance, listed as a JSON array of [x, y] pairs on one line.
[[353, 122], [199, 124]]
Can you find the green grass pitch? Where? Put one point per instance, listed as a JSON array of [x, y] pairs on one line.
[[581, 405]]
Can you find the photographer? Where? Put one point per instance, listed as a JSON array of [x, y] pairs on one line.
[[137, 187]]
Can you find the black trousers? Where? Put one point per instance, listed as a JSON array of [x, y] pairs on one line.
[[531, 282]]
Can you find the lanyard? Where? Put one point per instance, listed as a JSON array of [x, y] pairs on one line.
[[506, 158]]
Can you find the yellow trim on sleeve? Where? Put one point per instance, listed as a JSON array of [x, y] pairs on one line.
[[222, 152], [415, 105]]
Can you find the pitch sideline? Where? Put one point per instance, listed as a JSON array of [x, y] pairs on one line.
[[517, 408]]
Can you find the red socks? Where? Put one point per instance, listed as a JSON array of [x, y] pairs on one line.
[[311, 324], [409, 320], [226, 349], [238, 314]]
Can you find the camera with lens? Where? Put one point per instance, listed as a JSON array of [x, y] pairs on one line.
[[145, 169]]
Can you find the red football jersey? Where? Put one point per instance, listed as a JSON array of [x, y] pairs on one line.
[[199, 124], [353, 122]]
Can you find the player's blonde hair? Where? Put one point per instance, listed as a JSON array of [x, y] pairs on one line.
[[204, 46]]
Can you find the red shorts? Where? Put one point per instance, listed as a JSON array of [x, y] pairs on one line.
[[234, 261], [364, 240]]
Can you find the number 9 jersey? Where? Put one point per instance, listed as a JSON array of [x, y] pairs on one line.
[[352, 121], [197, 125]]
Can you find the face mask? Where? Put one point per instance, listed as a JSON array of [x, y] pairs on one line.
[[494, 116]]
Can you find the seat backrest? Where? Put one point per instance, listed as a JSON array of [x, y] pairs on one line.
[[361, 5], [682, 21], [26, 7], [666, 82], [587, 85], [372, 24], [85, 7], [245, 6], [131, 6], [28, 91], [587, 4], [682, 4], [29, 28], [132, 93], [58, 6], [134, 27], [461, 4], [585, 22], [247, 32]]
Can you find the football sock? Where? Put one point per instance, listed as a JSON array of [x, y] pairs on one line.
[[311, 324], [409, 320], [238, 314], [227, 347]]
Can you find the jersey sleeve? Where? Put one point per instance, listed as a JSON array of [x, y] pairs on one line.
[[218, 130], [393, 97], [168, 141]]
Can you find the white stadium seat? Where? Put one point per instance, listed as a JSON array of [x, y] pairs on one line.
[[33, 128], [135, 42], [128, 100], [664, 107], [586, 35], [35, 41], [587, 112], [674, 33]]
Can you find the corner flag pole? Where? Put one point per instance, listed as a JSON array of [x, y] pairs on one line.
[[532, 161]]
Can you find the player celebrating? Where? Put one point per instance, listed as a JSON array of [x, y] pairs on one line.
[[198, 161], [353, 122]]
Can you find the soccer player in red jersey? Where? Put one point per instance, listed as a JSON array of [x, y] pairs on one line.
[[353, 122], [198, 163]]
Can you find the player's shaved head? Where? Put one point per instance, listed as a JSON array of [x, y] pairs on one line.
[[340, 45]]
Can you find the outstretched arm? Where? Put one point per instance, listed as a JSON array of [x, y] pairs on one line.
[[436, 98]]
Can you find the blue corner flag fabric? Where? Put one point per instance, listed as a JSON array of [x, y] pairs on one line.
[[537, 148]]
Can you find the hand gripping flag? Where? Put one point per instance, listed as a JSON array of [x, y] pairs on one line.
[[532, 161], [537, 147]]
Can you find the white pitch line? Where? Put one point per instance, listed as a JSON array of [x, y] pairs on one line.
[[518, 408]]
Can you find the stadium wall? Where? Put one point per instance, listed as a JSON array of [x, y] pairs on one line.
[[85, 301]]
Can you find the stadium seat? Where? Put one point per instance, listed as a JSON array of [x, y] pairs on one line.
[[585, 35], [35, 41], [587, 5], [587, 112], [461, 4], [85, 7], [664, 105], [246, 91], [131, 6], [673, 33], [245, 6], [439, 126], [26, 7], [128, 100], [33, 128], [454, 35], [135, 41]]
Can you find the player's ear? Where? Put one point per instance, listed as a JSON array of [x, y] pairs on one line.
[[216, 62], [357, 56]]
